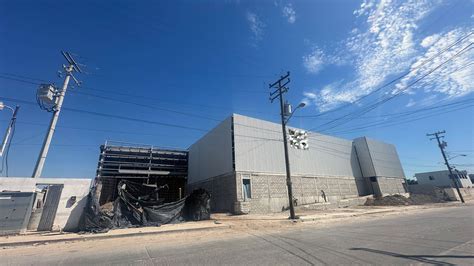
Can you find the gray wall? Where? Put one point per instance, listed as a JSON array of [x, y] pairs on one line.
[[67, 215], [259, 148], [222, 189], [378, 158], [211, 155]]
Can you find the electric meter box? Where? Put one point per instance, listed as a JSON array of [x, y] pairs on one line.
[[46, 93]]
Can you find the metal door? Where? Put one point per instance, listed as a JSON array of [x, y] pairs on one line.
[[53, 195], [15, 208]]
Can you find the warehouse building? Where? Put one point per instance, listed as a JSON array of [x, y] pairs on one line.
[[241, 162]]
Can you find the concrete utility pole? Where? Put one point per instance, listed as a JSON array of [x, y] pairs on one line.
[[278, 93], [441, 146], [10, 126], [73, 66]]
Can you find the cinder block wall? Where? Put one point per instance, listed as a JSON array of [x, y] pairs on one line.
[[270, 194]]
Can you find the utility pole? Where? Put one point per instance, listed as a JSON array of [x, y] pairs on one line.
[[58, 102], [279, 85], [10, 126], [438, 135]]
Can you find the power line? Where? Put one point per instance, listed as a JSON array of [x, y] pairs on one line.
[[466, 104], [393, 80], [380, 102], [404, 122], [25, 79]]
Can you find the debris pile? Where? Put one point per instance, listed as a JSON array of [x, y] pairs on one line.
[[399, 200]]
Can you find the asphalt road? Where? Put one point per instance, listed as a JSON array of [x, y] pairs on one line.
[[440, 236]]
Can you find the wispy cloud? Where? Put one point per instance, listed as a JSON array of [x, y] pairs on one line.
[[386, 45], [313, 62], [256, 26], [454, 79], [289, 13]]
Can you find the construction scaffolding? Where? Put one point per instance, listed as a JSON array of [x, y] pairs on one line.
[[161, 169]]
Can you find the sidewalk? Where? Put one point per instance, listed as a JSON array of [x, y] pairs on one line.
[[280, 220], [37, 238], [224, 221]]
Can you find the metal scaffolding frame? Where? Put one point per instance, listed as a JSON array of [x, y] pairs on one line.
[[141, 163]]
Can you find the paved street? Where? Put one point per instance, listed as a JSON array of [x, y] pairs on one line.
[[437, 236]]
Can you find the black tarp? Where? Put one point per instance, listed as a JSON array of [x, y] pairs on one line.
[[139, 205]]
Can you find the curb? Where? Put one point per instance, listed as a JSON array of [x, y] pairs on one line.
[[102, 236], [344, 216]]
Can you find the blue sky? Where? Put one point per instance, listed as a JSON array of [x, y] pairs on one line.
[[193, 63]]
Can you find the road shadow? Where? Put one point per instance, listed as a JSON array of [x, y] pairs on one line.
[[420, 258]]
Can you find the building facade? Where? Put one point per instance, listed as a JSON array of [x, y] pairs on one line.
[[241, 162], [442, 179]]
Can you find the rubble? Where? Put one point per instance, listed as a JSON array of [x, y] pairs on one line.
[[399, 200]]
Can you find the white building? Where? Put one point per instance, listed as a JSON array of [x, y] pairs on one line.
[[442, 179], [241, 162]]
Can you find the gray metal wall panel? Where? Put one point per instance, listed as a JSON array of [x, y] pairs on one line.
[[378, 158], [211, 155], [259, 148], [385, 159], [14, 211], [365, 160]]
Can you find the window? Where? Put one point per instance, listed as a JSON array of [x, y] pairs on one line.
[[431, 178], [246, 188]]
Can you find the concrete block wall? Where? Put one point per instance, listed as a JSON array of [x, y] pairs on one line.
[[222, 189], [269, 192], [467, 193], [390, 186]]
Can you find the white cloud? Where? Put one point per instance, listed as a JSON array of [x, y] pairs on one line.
[[313, 62], [289, 13], [256, 26], [453, 79], [430, 40], [329, 96], [384, 46]]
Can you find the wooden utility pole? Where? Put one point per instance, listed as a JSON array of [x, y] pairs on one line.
[[438, 135]]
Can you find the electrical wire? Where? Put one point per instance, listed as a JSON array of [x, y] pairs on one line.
[[403, 115], [393, 80], [408, 121], [383, 101]]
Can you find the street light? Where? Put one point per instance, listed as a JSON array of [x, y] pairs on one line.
[[2, 106], [301, 105], [286, 118], [10, 129], [10, 125], [281, 87]]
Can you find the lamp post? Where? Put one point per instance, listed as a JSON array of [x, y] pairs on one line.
[[280, 87], [285, 118], [10, 125]]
